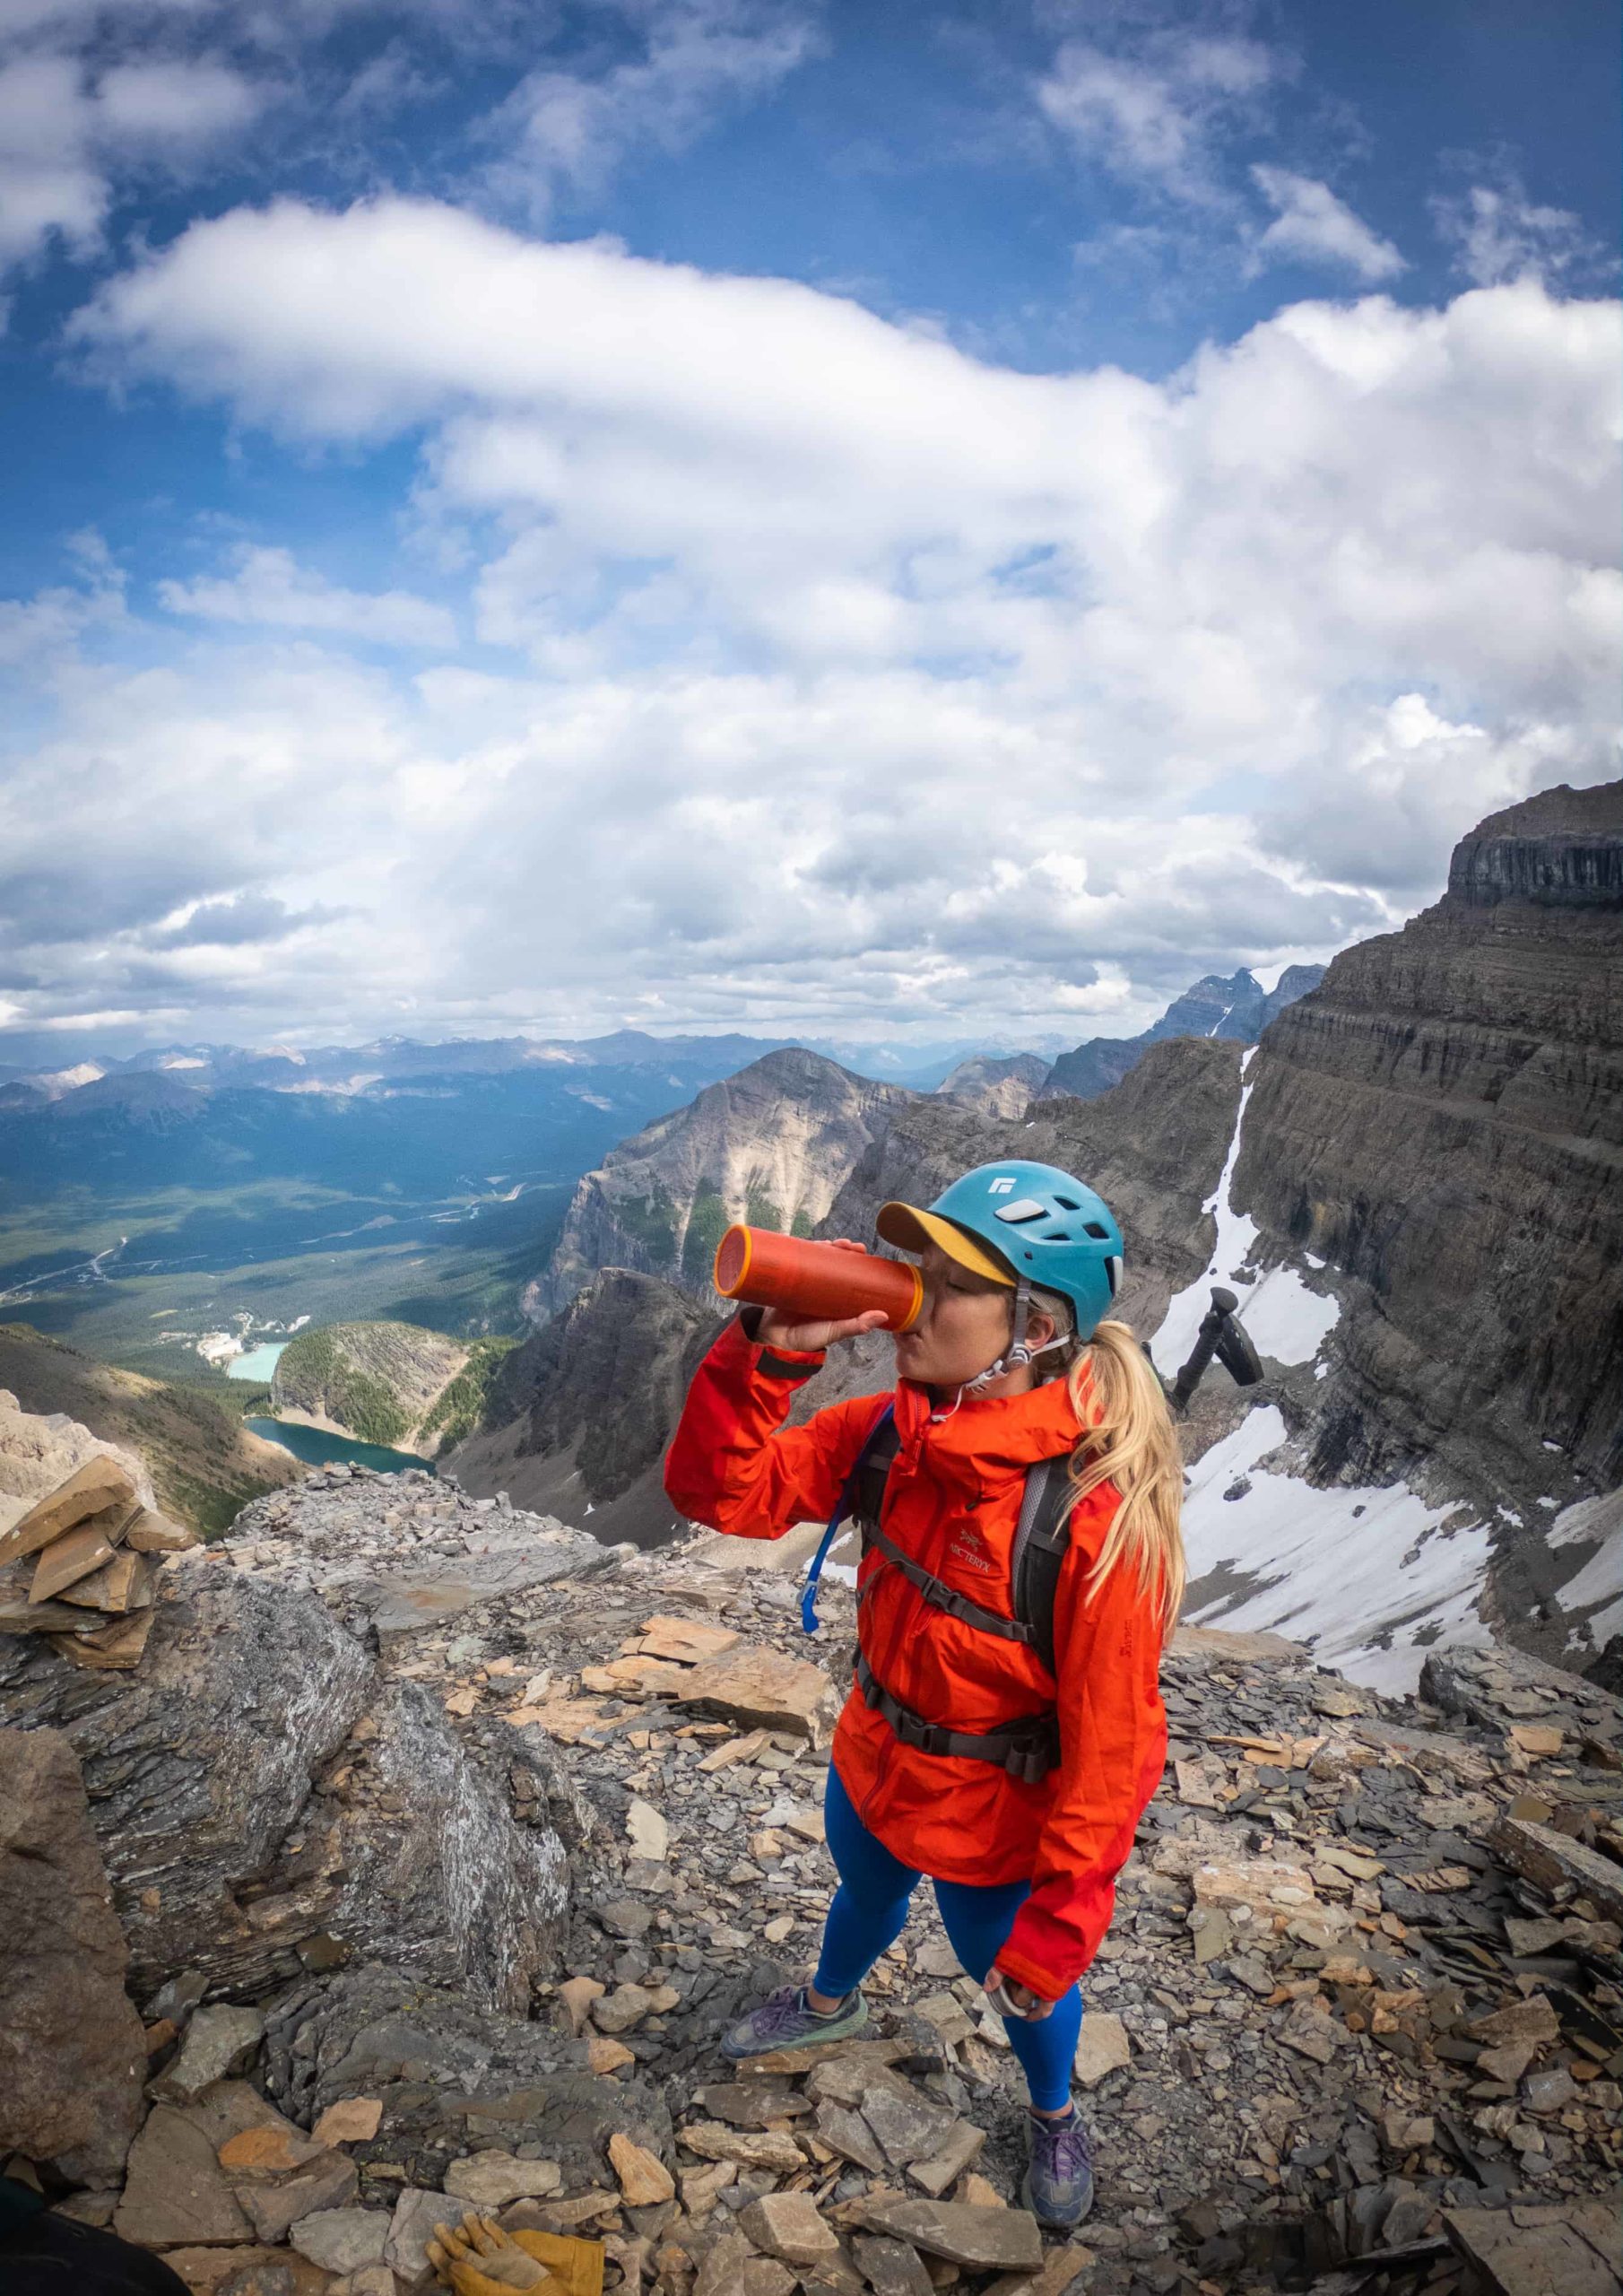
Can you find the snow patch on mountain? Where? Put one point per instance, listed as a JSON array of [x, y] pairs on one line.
[[1601, 1575], [1369, 1579], [1285, 1319]]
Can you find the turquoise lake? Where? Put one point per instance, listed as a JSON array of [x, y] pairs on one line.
[[317, 1449], [257, 1362]]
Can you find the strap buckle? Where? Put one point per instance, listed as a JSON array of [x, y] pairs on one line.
[[1030, 1764]]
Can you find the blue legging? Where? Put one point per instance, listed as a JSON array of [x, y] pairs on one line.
[[870, 1911]]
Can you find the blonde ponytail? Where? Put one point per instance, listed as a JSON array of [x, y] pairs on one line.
[[1131, 1442]]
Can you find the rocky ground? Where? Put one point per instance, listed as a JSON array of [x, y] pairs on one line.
[[1358, 2017]]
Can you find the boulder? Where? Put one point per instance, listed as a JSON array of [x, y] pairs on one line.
[[53, 1474], [197, 1766], [72, 2052], [436, 1877], [986, 2239], [227, 1856], [219, 2041], [177, 2191], [454, 2079]]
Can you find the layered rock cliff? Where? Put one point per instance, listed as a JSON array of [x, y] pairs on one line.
[[770, 1146], [1422, 1211], [1441, 1122]]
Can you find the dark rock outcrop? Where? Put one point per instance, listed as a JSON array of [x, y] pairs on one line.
[[73, 2056], [1441, 1121], [1234, 1010], [770, 1146], [580, 1414], [451, 2078], [261, 1798]]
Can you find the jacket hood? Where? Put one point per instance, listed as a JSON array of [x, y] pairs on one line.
[[990, 1434]]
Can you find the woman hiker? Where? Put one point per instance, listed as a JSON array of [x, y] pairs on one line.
[[1008, 1757]]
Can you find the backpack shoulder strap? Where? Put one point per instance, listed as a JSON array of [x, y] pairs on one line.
[[872, 1474], [1041, 1539]]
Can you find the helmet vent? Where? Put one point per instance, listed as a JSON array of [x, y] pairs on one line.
[[1069, 1203], [1092, 1228]]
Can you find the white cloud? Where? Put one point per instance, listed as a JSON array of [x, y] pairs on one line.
[[174, 101], [857, 683], [50, 183], [269, 587], [1312, 226], [568, 130], [1155, 112], [64, 136], [1498, 233]]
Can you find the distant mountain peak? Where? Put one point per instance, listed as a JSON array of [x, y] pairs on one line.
[[1233, 1007]]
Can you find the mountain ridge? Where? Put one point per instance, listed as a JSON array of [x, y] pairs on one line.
[[1237, 1009], [770, 1145]]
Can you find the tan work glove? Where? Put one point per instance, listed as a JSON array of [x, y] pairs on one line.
[[478, 2258]]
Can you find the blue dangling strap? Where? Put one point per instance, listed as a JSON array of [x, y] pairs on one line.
[[847, 1498]]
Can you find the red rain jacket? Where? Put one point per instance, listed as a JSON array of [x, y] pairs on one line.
[[952, 1501]]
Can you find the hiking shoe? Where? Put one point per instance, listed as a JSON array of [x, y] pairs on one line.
[[789, 2021], [1059, 2182]]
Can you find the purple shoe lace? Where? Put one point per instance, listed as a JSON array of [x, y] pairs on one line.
[[1069, 2157], [783, 2014]]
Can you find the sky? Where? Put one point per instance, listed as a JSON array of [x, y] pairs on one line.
[[889, 521]]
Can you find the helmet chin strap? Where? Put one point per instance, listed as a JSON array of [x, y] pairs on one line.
[[1017, 1353]]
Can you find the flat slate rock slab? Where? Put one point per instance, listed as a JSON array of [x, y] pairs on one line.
[[985, 2239], [406, 1604]]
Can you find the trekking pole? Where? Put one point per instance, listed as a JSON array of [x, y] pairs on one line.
[[1221, 1333]]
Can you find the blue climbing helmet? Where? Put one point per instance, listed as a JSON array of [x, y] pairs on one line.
[[1022, 1224]]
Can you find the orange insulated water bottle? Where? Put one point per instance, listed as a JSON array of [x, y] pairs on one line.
[[819, 1281]]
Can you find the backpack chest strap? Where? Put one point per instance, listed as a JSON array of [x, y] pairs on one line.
[[943, 1597], [1027, 1749]]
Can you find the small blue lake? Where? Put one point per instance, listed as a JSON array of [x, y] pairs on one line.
[[257, 1362], [317, 1449]]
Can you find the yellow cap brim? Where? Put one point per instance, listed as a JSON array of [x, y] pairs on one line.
[[911, 1231]]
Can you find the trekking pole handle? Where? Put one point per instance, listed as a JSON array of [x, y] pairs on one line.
[[1223, 1305]]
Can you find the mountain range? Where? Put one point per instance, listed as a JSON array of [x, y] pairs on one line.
[[1236, 1010], [1411, 1182]]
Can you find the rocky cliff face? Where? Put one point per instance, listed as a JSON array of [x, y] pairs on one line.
[[1441, 1122], [770, 1146], [380, 1382], [580, 1415], [996, 1087], [1236, 1010], [1423, 1213]]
